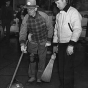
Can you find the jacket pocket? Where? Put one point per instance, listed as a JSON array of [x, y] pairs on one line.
[[70, 27]]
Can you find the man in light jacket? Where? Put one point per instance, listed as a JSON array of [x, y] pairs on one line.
[[66, 34]]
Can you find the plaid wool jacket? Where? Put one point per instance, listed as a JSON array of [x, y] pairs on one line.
[[39, 26]]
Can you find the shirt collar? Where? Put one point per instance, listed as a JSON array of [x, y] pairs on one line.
[[66, 8], [35, 15]]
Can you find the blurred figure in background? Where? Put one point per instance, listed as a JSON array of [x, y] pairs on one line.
[[6, 18], [21, 13], [18, 15]]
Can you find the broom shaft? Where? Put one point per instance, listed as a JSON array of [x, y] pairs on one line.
[[16, 69]]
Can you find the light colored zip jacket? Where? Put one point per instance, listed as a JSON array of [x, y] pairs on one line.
[[68, 26]]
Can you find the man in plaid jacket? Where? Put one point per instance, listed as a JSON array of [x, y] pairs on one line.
[[40, 31]]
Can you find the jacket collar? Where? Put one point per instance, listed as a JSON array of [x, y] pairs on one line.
[[66, 8]]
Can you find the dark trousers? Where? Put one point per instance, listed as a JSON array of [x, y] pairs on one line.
[[7, 24], [87, 30], [41, 50], [66, 67]]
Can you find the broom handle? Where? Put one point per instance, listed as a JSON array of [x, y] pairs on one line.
[[16, 70], [17, 67]]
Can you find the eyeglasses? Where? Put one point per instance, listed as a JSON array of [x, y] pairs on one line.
[[31, 8]]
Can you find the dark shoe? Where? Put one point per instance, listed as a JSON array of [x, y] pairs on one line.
[[32, 79], [39, 81]]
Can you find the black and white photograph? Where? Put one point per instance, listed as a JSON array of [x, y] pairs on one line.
[[43, 43]]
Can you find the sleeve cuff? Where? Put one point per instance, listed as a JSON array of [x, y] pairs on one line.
[[55, 44], [72, 43]]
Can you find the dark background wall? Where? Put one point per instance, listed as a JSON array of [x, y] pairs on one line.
[[81, 5]]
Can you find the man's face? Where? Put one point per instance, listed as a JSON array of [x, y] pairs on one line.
[[8, 3], [61, 4], [31, 11]]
